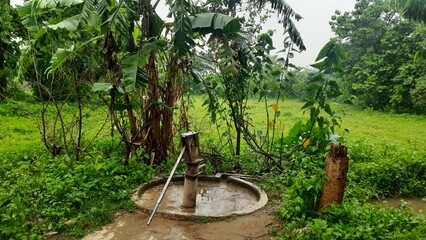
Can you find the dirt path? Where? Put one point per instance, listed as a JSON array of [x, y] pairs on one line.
[[129, 226]]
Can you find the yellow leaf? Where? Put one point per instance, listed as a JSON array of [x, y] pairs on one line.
[[271, 124], [275, 107], [71, 221], [306, 142]]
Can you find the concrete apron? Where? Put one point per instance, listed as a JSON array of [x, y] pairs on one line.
[[217, 197]]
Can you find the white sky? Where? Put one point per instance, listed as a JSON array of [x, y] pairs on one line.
[[314, 27]]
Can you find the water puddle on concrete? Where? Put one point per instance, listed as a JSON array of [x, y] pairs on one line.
[[132, 226], [417, 204], [213, 198]]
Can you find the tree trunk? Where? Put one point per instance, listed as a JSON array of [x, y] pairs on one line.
[[153, 113], [336, 172], [169, 100]]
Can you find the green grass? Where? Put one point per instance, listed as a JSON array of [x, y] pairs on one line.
[[403, 131], [19, 129], [20, 124]]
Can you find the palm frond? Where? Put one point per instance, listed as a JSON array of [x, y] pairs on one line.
[[88, 14], [287, 14], [412, 9]]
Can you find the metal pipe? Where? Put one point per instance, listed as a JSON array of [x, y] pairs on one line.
[[166, 186]]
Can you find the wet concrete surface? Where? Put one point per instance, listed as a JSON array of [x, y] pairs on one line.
[[417, 204], [213, 199], [131, 226]]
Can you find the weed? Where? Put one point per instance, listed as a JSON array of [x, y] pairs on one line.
[[211, 219]]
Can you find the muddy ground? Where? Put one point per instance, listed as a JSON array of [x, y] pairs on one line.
[[128, 226]]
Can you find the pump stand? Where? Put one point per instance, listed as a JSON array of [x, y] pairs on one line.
[[192, 159]]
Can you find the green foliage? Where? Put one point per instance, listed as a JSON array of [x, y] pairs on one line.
[[381, 46], [40, 194], [361, 221], [319, 130], [27, 167], [10, 34], [374, 172], [418, 95], [386, 171], [305, 184]]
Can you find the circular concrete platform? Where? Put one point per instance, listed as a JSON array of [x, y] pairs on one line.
[[217, 197]]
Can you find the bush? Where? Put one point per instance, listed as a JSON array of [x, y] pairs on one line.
[[360, 221], [374, 171], [418, 95], [385, 171], [43, 194]]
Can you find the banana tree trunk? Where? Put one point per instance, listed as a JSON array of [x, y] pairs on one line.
[[153, 114], [169, 100]]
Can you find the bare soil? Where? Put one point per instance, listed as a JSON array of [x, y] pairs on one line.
[[258, 225]]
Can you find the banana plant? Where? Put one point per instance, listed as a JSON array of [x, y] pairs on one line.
[[136, 58]]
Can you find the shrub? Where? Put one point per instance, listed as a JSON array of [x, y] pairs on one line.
[[40, 194]]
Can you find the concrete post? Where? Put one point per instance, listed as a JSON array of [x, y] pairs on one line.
[[192, 159]]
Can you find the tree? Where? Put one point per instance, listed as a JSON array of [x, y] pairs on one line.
[[381, 46], [242, 66], [10, 32]]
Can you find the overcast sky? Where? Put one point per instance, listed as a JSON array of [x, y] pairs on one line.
[[314, 27]]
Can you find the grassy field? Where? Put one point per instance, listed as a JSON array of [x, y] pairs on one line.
[[19, 128], [20, 124], [372, 127]]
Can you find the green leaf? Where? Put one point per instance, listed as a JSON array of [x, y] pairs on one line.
[[70, 24], [294, 133], [89, 17], [156, 25], [196, 76], [308, 104], [148, 47], [40, 33], [38, 7], [129, 64], [318, 65], [420, 55], [327, 109], [60, 57], [214, 22], [325, 50], [102, 87], [120, 106]]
